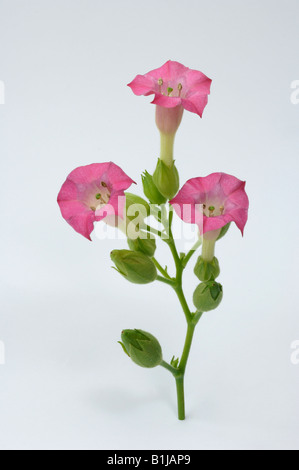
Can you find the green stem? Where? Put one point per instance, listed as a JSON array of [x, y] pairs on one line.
[[166, 281], [208, 249], [169, 367], [191, 252], [181, 296], [187, 347], [182, 368], [177, 284], [166, 152], [180, 397], [154, 231]]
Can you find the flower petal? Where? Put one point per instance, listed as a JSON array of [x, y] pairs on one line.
[[170, 70], [225, 190], [195, 103], [77, 198], [78, 216], [166, 101], [142, 85], [198, 82], [193, 91], [117, 178]]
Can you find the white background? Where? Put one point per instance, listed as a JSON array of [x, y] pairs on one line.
[[66, 383]]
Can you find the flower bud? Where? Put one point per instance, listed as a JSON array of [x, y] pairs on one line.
[[136, 206], [207, 296], [135, 266], [151, 191], [142, 347], [206, 270], [166, 178], [145, 245]]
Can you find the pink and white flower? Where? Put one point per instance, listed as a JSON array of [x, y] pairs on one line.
[[174, 86], [212, 202], [91, 193]]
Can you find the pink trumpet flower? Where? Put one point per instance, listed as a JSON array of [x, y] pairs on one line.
[[212, 202], [91, 193], [174, 86]]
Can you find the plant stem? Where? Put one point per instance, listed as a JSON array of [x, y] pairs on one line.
[[187, 347], [191, 319], [180, 397], [182, 368], [154, 231], [169, 367], [166, 152], [165, 281], [191, 252], [208, 249], [181, 296]]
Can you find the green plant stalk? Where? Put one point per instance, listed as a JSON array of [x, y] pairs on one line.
[[208, 249], [191, 319], [166, 151]]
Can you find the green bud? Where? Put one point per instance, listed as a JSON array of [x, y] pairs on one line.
[[142, 347], [145, 245], [166, 179], [151, 191], [135, 266], [206, 270], [136, 206], [207, 296]]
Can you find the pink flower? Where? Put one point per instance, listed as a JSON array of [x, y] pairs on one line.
[[174, 85], [212, 202], [92, 193]]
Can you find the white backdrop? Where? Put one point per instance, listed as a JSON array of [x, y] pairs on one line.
[[65, 382]]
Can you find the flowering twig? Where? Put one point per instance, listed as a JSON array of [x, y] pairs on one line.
[[96, 193]]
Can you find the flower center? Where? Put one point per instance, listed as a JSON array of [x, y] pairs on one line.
[[100, 198], [170, 89], [213, 210]]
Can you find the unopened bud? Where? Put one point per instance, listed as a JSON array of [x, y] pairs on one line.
[[166, 178], [151, 191], [145, 245], [207, 296], [206, 270], [135, 266], [142, 347], [136, 206]]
